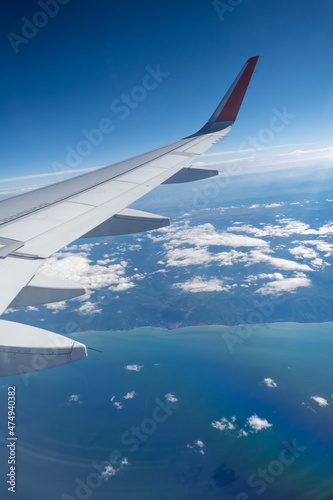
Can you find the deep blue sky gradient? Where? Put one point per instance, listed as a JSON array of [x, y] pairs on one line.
[[65, 78]]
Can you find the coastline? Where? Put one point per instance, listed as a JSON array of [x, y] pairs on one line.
[[196, 328]]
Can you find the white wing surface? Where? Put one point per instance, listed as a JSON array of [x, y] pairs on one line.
[[35, 225]]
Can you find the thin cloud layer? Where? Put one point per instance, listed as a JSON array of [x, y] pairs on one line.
[[134, 368], [283, 285], [256, 256], [73, 399], [259, 160]]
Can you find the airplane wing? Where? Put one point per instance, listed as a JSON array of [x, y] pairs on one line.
[[35, 225]]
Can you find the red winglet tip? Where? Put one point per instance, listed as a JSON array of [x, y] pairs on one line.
[[253, 59], [230, 110]]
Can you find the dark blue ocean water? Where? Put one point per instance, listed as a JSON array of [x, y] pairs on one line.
[[160, 451]]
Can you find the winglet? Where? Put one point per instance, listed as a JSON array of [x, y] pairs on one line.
[[231, 107], [227, 111]]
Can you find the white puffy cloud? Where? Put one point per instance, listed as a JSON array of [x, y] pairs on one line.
[[108, 472], [89, 308], [130, 395], [74, 264], [326, 229], [185, 245], [188, 256], [302, 252], [283, 285], [257, 424], [111, 471], [134, 248], [271, 276], [274, 205], [171, 398], [270, 382], [134, 368], [322, 246], [118, 405], [256, 256], [285, 228], [321, 401], [223, 425], [197, 446], [229, 258], [124, 283], [319, 263], [197, 284], [55, 307], [9, 310], [179, 257], [254, 423]]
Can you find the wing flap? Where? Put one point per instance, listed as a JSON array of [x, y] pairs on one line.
[[15, 273], [128, 221], [191, 174], [44, 290]]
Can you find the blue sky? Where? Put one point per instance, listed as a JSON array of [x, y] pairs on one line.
[[64, 78]]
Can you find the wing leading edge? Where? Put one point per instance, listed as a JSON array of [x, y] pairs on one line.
[[35, 225]]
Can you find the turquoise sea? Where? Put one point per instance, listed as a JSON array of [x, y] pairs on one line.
[[158, 442]]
